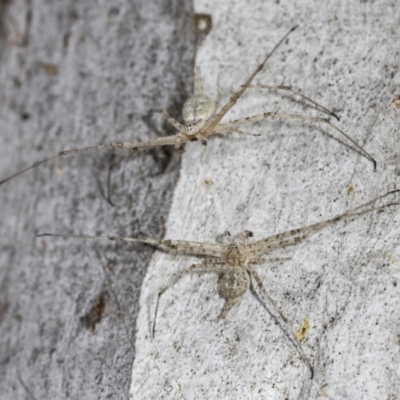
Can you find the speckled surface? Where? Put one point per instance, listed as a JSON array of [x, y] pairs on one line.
[[345, 280], [88, 73]]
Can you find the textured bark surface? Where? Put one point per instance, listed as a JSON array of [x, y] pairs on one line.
[[75, 74], [115, 63]]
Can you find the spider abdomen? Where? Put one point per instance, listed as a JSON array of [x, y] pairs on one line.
[[198, 108], [233, 284]]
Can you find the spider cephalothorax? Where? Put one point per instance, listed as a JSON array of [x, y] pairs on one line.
[[235, 254]]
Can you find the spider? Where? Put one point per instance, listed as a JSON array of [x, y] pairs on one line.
[[201, 122], [235, 261]]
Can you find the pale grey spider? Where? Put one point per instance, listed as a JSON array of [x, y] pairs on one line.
[[201, 122], [235, 261]]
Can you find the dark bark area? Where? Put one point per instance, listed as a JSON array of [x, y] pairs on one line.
[[75, 74]]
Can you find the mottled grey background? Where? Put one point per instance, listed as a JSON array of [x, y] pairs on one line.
[[90, 73], [74, 74]]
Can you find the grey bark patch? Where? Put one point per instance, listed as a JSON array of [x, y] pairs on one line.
[[113, 65]]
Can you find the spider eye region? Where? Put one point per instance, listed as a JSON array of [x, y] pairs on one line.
[[236, 254], [197, 109]]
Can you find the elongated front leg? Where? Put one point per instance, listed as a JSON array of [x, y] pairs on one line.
[[169, 246], [265, 260], [295, 236], [246, 133], [136, 145], [209, 127]]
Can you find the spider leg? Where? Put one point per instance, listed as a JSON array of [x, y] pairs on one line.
[[263, 260], [282, 320], [232, 126], [246, 133], [209, 127], [183, 136], [295, 236], [296, 92], [328, 122], [178, 126], [198, 81], [169, 246], [139, 146], [111, 168], [259, 117], [213, 265]]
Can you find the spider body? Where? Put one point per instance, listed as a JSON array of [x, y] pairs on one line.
[[234, 262], [199, 108], [235, 254], [232, 286], [234, 281], [201, 122]]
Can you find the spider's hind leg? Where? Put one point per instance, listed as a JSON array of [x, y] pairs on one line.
[[296, 92]]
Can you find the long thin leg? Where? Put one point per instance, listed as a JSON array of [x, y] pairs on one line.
[[179, 127], [169, 246], [296, 92], [214, 265], [282, 321], [295, 236], [139, 146], [183, 135], [209, 127], [115, 164], [259, 117], [198, 81], [264, 260], [183, 132], [246, 133]]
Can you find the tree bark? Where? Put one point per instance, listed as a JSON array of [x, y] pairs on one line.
[[75, 74]]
